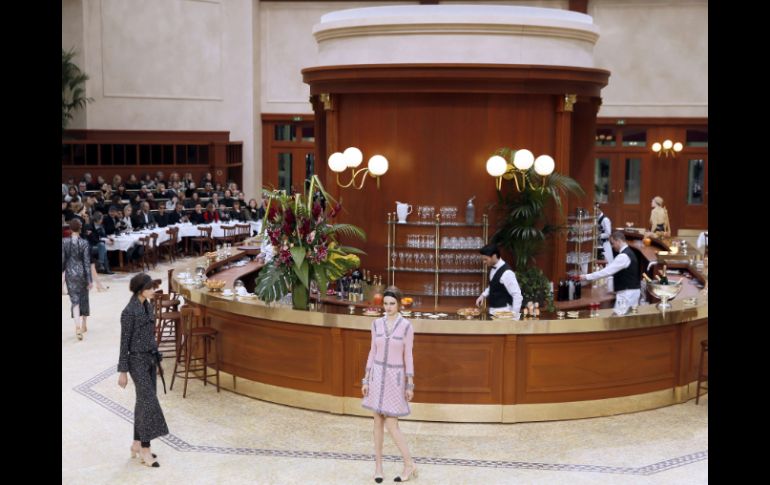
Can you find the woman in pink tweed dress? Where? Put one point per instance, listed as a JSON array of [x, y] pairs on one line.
[[388, 385]]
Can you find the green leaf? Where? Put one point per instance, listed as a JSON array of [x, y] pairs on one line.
[[348, 230], [271, 284], [350, 250], [320, 277], [303, 273], [298, 255]]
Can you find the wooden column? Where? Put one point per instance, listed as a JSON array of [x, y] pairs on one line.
[[562, 152]]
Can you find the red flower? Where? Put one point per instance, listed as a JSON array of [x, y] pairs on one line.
[[288, 216], [273, 213], [317, 210], [336, 210]]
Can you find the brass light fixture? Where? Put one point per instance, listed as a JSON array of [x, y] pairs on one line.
[[667, 148], [352, 158], [523, 160]]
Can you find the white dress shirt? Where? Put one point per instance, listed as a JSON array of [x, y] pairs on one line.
[[508, 279], [621, 261], [604, 237]]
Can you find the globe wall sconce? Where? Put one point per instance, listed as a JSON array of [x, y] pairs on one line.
[[352, 158], [667, 148], [523, 160]]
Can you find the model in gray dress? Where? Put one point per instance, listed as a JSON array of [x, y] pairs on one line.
[[137, 348], [76, 266]]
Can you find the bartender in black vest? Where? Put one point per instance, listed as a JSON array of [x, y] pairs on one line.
[[503, 291], [625, 268]]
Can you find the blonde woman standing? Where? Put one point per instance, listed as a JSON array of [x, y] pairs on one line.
[[388, 384], [659, 218]]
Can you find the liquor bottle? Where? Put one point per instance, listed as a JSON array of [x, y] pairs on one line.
[[571, 290], [578, 290], [560, 291]]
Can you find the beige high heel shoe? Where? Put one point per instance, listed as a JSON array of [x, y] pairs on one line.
[[135, 452], [412, 474], [145, 461], [79, 333]]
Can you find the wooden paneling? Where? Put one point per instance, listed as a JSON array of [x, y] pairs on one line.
[[467, 369], [458, 370], [437, 146], [597, 365], [293, 356]]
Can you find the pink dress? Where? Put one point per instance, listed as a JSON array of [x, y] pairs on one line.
[[388, 365]]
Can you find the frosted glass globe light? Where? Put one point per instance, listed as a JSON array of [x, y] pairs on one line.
[[678, 147], [667, 144], [656, 147], [523, 159], [378, 165], [353, 157], [496, 166], [544, 165], [337, 162]]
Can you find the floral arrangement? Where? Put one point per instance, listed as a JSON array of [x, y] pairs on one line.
[[305, 244]]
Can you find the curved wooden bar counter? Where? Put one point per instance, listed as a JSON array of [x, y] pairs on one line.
[[465, 371]]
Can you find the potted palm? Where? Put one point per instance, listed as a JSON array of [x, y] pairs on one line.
[[305, 244], [73, 90], [523, 224]]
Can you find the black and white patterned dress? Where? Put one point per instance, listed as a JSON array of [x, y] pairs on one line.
[[76, 265], [137, 342]]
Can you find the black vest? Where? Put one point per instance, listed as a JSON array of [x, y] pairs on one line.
[[628, 278], [498, 295]]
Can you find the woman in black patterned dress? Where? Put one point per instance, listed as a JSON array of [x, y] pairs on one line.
[[76, 268], [138, 351]]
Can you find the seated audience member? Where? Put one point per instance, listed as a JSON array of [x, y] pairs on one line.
[[66, 211], [151, 200], [91, 184], [207, 179], [196, 216], [143, 217], [133, 183], [218, 190], [100, 182], [112, 221], [211, 214], [207, 191], [255, 211], [171, 203], [162, 217], [77, 212], [178, 216], [228, 200], [148, 181], [190, 190], [117, 180], [127, 223], [237, 213], [94, 233], [121, 192], [194, 199], [72, 194], [82, 190]]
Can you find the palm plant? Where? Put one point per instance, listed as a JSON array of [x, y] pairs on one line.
[[523, 225], [73, 93]]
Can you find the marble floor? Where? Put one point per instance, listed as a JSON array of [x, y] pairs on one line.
[[227, 438]]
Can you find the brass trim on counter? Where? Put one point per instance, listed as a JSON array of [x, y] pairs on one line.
[[464, 413], [648, 316]]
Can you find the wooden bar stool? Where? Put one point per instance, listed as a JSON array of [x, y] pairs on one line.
[[167, 322], [702, 376], [191, 334]]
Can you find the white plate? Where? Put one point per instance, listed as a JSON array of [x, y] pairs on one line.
[[435, 317]]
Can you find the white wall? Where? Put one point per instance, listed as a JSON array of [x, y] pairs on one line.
[[287, 46], [172, 65], [72, 37], [219, 64], [657, 51]]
